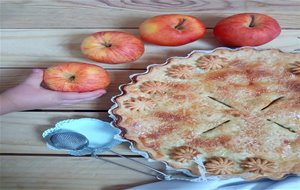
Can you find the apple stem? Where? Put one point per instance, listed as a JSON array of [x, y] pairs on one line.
[[72, 78], [106, 44], [252, 21], [179, 25]]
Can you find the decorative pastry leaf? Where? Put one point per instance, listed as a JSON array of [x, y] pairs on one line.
[[211, 62], [180, 71], [154, 87], [139, 104], [219, 166], [258, 165], [295, 68], [184, 154]]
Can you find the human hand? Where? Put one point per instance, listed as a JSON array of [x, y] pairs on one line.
[[30, 95]]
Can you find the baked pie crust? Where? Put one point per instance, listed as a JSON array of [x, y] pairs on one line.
[[238, 109]]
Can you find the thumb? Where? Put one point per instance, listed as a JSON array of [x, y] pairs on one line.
[[35, 78]]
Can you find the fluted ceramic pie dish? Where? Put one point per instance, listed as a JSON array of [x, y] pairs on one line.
[[232, 112]]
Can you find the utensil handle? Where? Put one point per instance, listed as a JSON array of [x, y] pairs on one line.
[[165, 176], [106, 160]]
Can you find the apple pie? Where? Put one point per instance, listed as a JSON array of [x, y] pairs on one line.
[[239, 110]]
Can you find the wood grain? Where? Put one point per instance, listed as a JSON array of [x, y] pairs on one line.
[[21, 132], [28, 48], [39, 34], [29, 172], [130, 13], [12, 77]]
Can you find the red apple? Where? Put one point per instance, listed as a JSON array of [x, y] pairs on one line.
[[76, 77], [171, 29], [247, 29], [112, 47]]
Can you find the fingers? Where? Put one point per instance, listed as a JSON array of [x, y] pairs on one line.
[[70, 102], [81, 96], [35, 78]]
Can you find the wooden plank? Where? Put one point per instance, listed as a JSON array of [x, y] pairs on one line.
[[69, 173], [42, 48], [21, 132], [128, 14], [11, 77]]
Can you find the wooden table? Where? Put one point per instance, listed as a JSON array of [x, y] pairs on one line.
[[41, 33]]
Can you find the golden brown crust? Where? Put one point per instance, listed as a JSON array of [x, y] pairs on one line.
[[239, 109]]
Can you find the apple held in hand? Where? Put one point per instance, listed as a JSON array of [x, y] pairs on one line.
[[76, 77], [247, 29], [112, 47], [171, 29]]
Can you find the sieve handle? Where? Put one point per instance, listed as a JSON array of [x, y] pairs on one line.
[[106, 160], [160, 175], [165, 176]]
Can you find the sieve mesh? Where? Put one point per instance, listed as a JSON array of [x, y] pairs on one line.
[[69, 141]]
